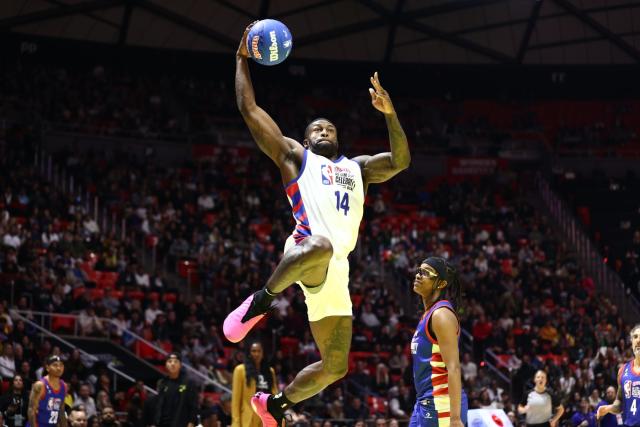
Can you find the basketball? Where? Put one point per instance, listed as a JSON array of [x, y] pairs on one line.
[[269, 42]]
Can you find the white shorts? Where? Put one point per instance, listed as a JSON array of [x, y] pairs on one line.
[[332, 297]]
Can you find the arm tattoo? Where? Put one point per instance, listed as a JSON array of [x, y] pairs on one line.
[[34, 400], [400, 155]]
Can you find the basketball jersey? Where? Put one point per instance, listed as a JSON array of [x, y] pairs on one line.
[[327, 199], [430, 373], [51, 405], [629, 380]]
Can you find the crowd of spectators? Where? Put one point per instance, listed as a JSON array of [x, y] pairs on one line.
[[528, 305]]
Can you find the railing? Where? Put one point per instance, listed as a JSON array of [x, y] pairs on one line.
[[606, 280], [46, 318], [17, 314]]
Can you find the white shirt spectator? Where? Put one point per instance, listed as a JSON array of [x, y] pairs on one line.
[[88, 403], [7, 367], [150, 314], [12, 240], [142, 279], [205, 202], [370, 319], [469, 370]]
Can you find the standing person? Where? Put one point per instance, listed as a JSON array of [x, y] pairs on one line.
[[326, 192], [15, 403], [626, 402], [46, 402], [540, 404], [248, 378], [177, 401], [609, 420], [440, 399]]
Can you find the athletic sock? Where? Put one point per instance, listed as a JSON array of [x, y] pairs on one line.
[[277, 404], [260, 304]]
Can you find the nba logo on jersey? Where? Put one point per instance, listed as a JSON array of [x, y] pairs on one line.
[[327, 174], [627, 389], [53, 404]]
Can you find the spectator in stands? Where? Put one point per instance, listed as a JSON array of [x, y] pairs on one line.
[[77, 417], [356, 409], [83, 397], [585, 417], [108, 417], [609, 420], [177, 397], [90, 323], [254, 375], [398, 361], [15, 402], [469, 368], [540, 405], [7, 362], [222, 411]]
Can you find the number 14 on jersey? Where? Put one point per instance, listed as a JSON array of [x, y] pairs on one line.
[[342, 202]]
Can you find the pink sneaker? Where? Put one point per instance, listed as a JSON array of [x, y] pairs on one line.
[[259, 405], [234, 329]]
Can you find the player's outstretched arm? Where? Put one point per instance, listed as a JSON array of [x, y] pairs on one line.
[[382, 167], [264, 130], [614, 408], [34, 399]]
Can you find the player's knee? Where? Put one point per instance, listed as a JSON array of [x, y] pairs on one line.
[[321, 248], [336, 371]]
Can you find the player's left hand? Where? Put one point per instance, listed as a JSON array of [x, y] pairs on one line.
[[379, 97], [455, 422]]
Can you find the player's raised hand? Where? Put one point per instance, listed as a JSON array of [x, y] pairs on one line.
[[379, 97], [242, 49]]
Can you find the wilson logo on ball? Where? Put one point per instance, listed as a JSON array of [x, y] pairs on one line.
[[269, 42], [273, 49]]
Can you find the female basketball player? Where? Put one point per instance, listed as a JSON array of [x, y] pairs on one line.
[[441, 402]]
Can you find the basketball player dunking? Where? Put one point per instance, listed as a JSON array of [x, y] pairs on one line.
[[326, 192]]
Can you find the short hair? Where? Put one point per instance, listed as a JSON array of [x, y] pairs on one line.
[[308, 128], [636, 326]]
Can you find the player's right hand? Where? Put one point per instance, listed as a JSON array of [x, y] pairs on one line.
[[602, 411], [242, 49]]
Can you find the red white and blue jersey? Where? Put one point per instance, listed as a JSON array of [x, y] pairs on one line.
[[629, 381], [327, 199], [51, 405], [430, 373]]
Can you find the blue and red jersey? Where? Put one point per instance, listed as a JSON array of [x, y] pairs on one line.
[[51, 405], [430, 373], [629, 383]]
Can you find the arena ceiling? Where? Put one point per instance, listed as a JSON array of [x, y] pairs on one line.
[[397, 31]]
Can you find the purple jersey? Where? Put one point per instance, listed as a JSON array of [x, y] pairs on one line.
[[629, 381], [430, 375], [51, 406]]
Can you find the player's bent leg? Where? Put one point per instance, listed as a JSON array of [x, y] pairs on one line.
[[306, 262], [333, 337]]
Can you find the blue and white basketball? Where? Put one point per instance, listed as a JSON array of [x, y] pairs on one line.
[[269, 42]]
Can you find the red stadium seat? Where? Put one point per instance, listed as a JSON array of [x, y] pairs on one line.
[[170, 297], [64, 323]]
